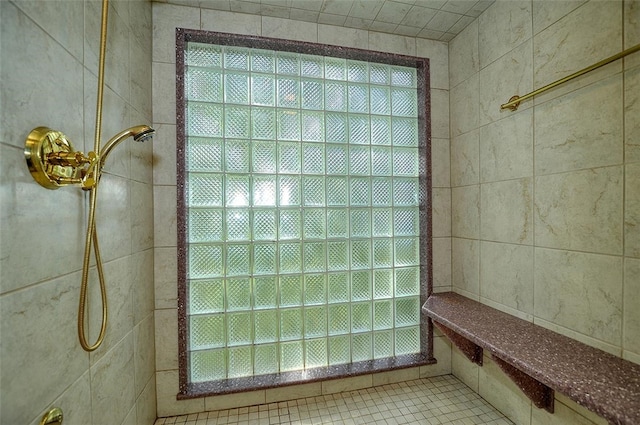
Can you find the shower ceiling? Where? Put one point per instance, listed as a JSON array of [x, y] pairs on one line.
[[432, 19]]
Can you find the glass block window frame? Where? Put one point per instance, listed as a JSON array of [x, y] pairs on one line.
[[304, 248]]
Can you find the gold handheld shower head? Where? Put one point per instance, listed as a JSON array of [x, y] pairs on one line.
[[140, 133]]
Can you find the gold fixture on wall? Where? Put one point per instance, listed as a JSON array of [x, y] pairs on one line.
[[53, 417]]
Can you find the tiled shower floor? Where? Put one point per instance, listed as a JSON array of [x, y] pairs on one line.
[[429, 401]]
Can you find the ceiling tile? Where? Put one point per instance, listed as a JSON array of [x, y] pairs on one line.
[[329, 19], [366, 9], [442, 21], [459, 6], [419, 16], [336, 7]]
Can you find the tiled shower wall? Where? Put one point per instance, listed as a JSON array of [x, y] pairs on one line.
[[166, 17], [545, 201], [49, 54]]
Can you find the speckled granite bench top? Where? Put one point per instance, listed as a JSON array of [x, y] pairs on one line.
[[599, 381]]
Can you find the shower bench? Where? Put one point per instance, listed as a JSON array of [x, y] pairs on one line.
[[540, 361]]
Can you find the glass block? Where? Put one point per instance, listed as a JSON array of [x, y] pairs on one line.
[[337, 223], [312, 158], [359, 129], [266, 326], [203, 54], [359, 158], [289, 158], [205, 261], [404, 131], [288, 63], [290, 324], [236, 122], [315, 322], [291, 356], [238, 224], [338, 284], [237, 153], [404, 102], [335, 96], [238, 292], [406, 222], [339, 319], [336, 159], [407, 340], [288, 92], [380, 100], [314, 224], [205, 225], [405, 162], [336, 127], [405, 192], [380, 130], [290, 225], [380, 161], [407, 252], [240, 362], [382, 344], [265, 359], [383, 314], [379, 73], [337, 194], [204, 154], [361, 347], [236, 88], [206, 296], [290, 257], [360, 191], [382, 253], [361, 283], [264, 258], [209, 365], [360, 220], [265, 292], [238, 259], [314, 257], [263, 90], [315, 289], [335, 69], [264, 225], [236, 58], [337, 255], [290, 291], [264, 190], [312, 94], [358, 98], [290, 191], [358, 71], [339, 349], [203, 84], [206, 331], [360, 254], [403, 76], [407, 311], [381, 222], [313, 127], [263, 123], [263, 157], [381, 194], [407, 281], [315, 353], [204, 119], [361, 317], [313, 191], [288, 125], [311, 66], [263, 61], [239, 328], [382, 283]]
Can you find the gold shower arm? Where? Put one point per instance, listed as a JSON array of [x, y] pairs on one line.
[[514, 102]]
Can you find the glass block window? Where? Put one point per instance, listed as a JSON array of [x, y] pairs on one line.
[[303, 183]]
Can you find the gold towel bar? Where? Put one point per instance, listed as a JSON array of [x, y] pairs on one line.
[[514, 102]]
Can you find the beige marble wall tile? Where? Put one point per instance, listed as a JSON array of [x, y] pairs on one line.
[[465, 255], [75, 403], [438, 54], [464, 106], [293, 392], [290, 30], [506, 148], [146, 404], [166, 339], [166, 389], [506, 274], [164, 155], [580, 291], [465, 211], [631, 313], [166, 18], [631, 12], [561, 415], [465, 159], [583, 129], [505, 309], [143, 288], [441, 210], [501, 27], [230, 401], [235, 23], [442, 262], [578, 336], [440, 113], [581, 210], [632, 115], [113, 217], [442, 353], [390, 43], [507, 211], [164, 93], [580, 410], [632, 357], [141, 216], [333, 386], [503, 393], [165, 220], [341, 36], [165, 277], [440, 163], [632, 211], [463, 55], [394, 376], [144, 354], [463, 369], [546, 13]]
